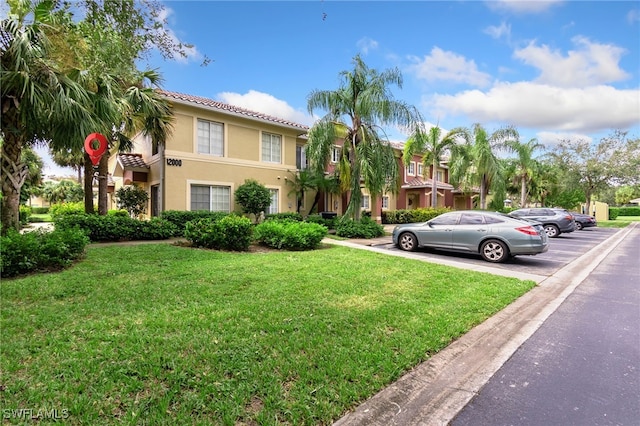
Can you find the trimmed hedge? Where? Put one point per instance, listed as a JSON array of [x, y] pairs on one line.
[[614, 212], [231, 232], [24, 214], [284, 216], [327, 223], [412, 216], [365, 228], [116, 227], [180, 218], [290, 234], [40, 250]]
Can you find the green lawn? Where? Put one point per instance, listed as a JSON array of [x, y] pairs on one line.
[[620, 222], [161, 334]]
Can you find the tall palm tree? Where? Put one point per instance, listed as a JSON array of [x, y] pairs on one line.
[[40, 100], [433, 146], [355, 113], [524, 163], [479, 164]]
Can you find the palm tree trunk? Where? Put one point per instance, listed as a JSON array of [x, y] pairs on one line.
[[14, 173], [103, 169], [482, 193], [88, 185], [434, 184], [523, 191]]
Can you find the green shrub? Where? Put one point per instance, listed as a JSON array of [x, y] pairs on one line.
[[412, 216], [614, 212], [62, 209], [120, 212], [364, 228], [116, 227], [284, 216], [40, 250], [231, 232], [327, 223], [626, 211], [180, 218], [290, 234], [40, 210], [24, 214]]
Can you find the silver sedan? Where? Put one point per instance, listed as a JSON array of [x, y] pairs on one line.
[[495, 236]]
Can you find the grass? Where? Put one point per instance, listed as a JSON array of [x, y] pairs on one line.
[[161, 334], [620, 222], [38, 217]]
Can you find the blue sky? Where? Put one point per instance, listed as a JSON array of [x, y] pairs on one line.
[[553, 69]]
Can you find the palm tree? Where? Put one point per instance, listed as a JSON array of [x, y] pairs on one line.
[[354, 114], [40, 101], [524, 163], [300, 183], [478, 164], [433, 146]]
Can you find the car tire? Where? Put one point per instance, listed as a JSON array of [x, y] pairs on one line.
[[552, 231], [579, 226], [494, 251], [407, 242]]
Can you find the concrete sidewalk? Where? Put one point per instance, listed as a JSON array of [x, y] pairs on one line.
[[436, 390]]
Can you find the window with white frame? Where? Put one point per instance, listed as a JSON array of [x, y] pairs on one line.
[[385, 202], [420, 169], [440, 176], [273, 207], [335, 154], [271, 148], [411, 169], [210, 197], [301, 157], [210, 138], [365, 202]]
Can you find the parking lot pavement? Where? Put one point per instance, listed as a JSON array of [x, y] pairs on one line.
[[562, 251]]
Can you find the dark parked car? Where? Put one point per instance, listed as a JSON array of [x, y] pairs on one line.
[[584, 220], [554, 221], [495, 236]]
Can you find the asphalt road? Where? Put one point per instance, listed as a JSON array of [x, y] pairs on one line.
[[582, 366], [562, 251]]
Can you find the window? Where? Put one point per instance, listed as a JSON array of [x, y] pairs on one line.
[[446, 219], [471, 219], [411, 170], [420, 169], [271, 148], [365, 202], [273, 207], [212, 198], [210, 138], [440, 176], [301, 157], [335, 154], [385, 202]]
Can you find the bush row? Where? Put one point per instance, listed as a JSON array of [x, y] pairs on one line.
[[40, 251], [412, 216], [289, 234], [116, 227], [230, 232], [180, 218], [364, 228], [614, 212]]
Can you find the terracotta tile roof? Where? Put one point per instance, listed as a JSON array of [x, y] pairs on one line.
[[132, 161], [230, 109]]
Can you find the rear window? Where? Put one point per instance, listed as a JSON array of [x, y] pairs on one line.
[[492, 219]]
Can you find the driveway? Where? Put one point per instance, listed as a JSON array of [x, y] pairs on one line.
[[562, 251]]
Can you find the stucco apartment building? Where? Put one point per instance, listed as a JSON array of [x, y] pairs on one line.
[[215, 147]]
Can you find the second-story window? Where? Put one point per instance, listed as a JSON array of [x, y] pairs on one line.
[[210, 138], [420, 169], [301, 157], [440, 176], [411, 170], [335, 154], [271, 148]]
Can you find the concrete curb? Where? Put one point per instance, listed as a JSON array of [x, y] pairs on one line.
[[436, 390]]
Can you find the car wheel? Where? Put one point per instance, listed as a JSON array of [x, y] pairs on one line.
[[494, 251], [552, 231], [407, 242], [579, 226]]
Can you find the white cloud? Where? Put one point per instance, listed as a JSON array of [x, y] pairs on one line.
[[522, 6], [589, 64], [544, 107], [266, 104], [551, 139], [441, 65], [504, 30], [365, 44], [633, 16]]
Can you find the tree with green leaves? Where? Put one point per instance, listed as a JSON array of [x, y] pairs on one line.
[[355, 114], [253, 197], [65, 191], [524, 163], [433, 146], [595, 166], [133, 199], [478, 164]]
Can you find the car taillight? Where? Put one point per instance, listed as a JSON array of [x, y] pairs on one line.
[[529, 230]]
